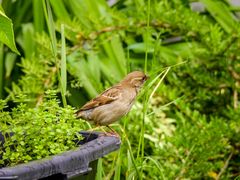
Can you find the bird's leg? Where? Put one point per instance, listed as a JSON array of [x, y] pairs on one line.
[[111, 129], [104, 132], [102, 129], [93, 129], [113, 132]]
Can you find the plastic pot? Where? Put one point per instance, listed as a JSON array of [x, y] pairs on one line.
[[79, 163]]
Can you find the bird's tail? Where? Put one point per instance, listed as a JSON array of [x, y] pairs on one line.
[[79, 114], [84, 114]]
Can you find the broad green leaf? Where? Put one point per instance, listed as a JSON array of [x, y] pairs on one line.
[[222, 14], [87, 71], [80, 10], [9, 63], [6, 31], [28, 43], [141, 48], [60, 10], [110, 62], [119, 54], [38, 15]]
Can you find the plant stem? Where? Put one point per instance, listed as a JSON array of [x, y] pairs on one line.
[[63, 80], [225, 166], [147, 38], [145, 97], [51, 29], [1, 70]]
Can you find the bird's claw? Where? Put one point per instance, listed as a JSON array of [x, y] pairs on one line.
[[110, 134]]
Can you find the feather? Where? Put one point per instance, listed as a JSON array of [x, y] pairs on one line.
[[106, 97]]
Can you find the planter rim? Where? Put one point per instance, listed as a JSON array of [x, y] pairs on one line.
[[69, 163]]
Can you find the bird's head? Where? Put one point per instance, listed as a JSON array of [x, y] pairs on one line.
[[135, 79]]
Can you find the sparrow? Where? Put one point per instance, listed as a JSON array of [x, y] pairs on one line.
[[113, 103]]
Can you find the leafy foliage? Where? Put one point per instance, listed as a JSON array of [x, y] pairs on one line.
[[183, 127], [35, 133]]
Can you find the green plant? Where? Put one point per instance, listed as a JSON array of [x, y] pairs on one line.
[[6, 31], [35, 133], [184, 125]]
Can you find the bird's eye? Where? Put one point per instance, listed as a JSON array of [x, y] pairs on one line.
[[144, 78]]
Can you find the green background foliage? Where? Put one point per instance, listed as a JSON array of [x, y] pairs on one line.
[[185, 123]]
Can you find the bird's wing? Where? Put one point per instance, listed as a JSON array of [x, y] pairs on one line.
[[106, 97]]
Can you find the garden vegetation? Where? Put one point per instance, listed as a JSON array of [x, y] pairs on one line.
[[56, 55]]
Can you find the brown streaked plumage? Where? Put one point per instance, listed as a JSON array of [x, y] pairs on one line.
[[114, 102]]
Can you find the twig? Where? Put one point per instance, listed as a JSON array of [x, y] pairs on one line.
[[236, 77], [138, 25], [235, 99], [234, 74], [225, 166], [95, 34]]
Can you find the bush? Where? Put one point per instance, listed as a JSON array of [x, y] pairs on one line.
[[184, 124], [36, 133]]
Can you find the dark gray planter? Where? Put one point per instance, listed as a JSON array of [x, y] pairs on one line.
[[71, 164]]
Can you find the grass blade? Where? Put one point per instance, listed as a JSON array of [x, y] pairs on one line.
[[50, 25], [99, 170], [158, 84], [63, 76], [158, 165]]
